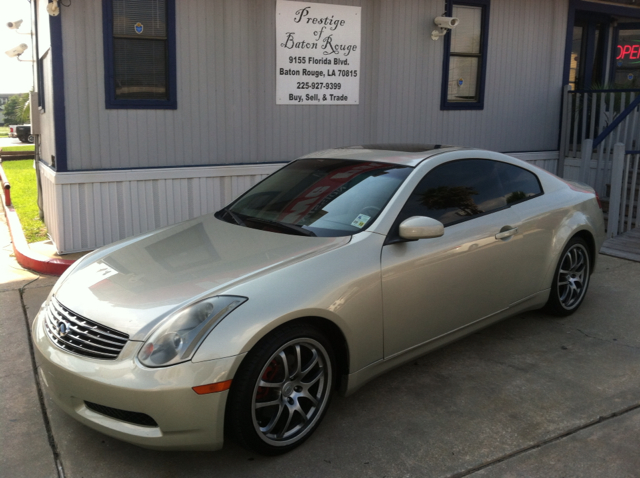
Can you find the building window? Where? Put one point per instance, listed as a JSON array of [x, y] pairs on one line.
[[139, 51], [465, 56]]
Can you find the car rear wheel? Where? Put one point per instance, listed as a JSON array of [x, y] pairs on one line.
[[30, 138], [571, 279], [282, 390]]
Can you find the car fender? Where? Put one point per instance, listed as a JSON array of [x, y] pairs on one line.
[[342, 286], [574, 223]]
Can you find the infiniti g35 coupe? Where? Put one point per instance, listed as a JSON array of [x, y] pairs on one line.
[[338, 267]]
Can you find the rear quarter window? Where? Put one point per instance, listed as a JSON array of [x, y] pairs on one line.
[[518, 184]]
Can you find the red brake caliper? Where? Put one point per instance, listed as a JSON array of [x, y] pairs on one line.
[[268, 375]]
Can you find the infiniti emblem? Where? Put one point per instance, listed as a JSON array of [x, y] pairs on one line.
[[63, 328]]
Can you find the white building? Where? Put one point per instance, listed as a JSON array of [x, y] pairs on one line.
[[155, 111]]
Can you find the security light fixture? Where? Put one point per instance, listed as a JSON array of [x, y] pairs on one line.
[[444, 24]]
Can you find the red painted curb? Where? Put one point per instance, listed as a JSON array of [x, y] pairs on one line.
[[24, 255]]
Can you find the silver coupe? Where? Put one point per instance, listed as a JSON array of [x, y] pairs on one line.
[[340, 266]]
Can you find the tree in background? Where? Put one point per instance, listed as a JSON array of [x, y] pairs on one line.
[[26, 112], [14, 110]]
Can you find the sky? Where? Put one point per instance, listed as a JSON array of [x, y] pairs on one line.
[[15, 76]]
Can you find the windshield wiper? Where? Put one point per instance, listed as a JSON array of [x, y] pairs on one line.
[[235, 217], [283, 225]]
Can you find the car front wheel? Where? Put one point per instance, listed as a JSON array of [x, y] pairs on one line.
[[571, 279], [282, 390]]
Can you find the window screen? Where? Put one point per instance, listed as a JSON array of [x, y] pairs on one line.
[[140, 50]]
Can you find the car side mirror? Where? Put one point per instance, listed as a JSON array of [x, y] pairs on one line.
[[420, 227]]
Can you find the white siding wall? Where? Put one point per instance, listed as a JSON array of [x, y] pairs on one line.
[[84, 211], [226, 87], [87, 210], [523, 82], [227, 113]]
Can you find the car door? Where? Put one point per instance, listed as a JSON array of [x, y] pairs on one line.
[[537, 225], [431, 287]]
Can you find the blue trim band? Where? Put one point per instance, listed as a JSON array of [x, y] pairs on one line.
[[571, 20], [59, 103], [619, 119], [171, 103]]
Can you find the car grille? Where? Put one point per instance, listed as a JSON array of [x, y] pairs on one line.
[[75, 334], [136, 418]]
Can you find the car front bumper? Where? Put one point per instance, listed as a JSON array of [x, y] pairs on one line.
[[185, 420]]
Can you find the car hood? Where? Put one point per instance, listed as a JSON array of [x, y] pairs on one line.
[[132, 285]]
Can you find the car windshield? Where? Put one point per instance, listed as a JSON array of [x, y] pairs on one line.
[[318, 197]]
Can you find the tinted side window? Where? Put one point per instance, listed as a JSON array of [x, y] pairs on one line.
[[518, 184], [457, 191]]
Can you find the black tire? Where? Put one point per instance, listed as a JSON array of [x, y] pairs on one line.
[[298, 364], [570, 279], [30, 138]]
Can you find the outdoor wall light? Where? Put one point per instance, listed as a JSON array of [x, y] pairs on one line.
[[53, 9], [444, 24]]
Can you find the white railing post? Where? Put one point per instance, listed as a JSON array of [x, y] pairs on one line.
[[565, 128], [617, 169], [585, 167]]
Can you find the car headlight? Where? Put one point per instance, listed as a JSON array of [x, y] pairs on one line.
[[179, 336]]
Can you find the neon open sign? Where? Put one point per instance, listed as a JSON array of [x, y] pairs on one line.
[[627, 53]]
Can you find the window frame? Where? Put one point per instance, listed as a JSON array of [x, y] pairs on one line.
[[445, 104], [111, 102]]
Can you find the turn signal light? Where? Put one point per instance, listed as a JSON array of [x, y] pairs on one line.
[[212, 387]]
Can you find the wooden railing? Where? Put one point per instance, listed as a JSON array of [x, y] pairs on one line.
[[593, 121], [625, 187], [600, 146]]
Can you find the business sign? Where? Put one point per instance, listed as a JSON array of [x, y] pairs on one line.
[[317, 54], [628, 54]]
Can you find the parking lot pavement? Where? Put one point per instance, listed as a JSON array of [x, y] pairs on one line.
[[24, 441], [608, 449], [531, 396]]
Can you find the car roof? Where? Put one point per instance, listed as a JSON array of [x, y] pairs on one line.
[[403, 154]]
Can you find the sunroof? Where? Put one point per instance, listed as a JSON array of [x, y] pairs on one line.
[[402, 147]]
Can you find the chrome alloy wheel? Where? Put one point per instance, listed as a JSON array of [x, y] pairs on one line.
[[292, 392], [573, 276]]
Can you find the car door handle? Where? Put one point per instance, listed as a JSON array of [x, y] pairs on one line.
[[507, 233]]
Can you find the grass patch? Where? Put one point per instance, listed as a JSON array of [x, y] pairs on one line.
[[24, 196], [18, 148], [4, 131]]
